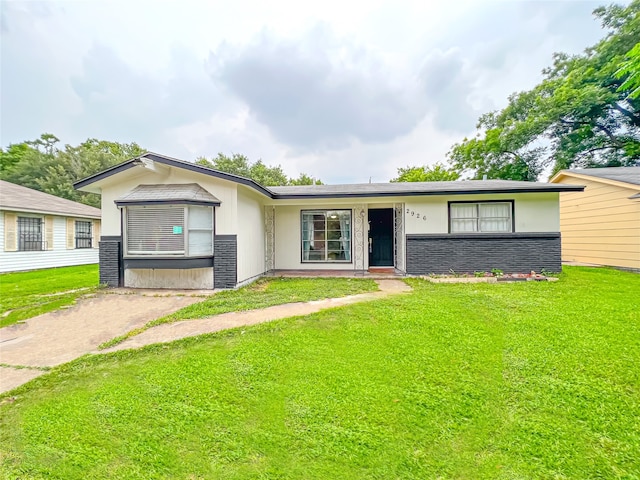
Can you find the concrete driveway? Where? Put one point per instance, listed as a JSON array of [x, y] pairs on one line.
[[58, 337]]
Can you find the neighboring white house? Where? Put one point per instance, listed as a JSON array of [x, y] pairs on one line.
[[175, 224], [38, 230]]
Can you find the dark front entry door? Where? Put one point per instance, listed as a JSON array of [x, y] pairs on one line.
[[381, 237]]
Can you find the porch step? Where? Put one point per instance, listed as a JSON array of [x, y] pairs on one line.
[[382, 270]]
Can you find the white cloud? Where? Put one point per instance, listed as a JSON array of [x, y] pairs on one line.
[[342, 92]]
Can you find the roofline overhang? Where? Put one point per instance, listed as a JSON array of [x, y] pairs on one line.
[[9, 208], [581, 176], [124, 203], [172, 162], [287, 196]]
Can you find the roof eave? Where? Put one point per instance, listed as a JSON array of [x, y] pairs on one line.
[[581, 176], [204, 203], [293, 196]]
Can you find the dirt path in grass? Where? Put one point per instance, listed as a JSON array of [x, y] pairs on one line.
[[58, 337], [188, 328]]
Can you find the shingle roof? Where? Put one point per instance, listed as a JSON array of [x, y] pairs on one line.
[[22, 199], [340, 191], [619, 174], [418, 188], [191, 193]]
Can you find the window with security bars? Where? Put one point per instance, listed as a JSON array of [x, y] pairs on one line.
[[30, 234], [169, 230], [490, 217], [83, 234]]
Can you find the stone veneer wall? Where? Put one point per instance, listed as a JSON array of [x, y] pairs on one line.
[[109, 260], [467, 253], [225, 261]]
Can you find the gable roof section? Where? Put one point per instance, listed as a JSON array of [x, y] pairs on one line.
[[343, 191], [184, 193], [628, 177], [171, 162], [22, 199]]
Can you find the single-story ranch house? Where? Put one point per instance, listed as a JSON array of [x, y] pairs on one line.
[[167, 223], [38, 230]]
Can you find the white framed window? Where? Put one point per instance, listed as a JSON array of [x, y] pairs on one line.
[[481, 217], [168, 230], [326, 236]]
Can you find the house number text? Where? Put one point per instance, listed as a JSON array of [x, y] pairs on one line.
[[416, 214]]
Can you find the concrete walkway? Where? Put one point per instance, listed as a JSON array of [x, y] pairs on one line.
[[59, 337], [188, 328]]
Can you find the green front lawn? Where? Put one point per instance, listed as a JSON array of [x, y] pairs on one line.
[[509, 381], [27, 294], [266, 292]]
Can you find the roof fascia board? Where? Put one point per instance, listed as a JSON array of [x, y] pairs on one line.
[[46, 212], [124, 203], [578, 188], [609, 181]]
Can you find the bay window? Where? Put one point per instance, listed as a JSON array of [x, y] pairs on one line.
[[168, 230], [483, 217], [326, 235]]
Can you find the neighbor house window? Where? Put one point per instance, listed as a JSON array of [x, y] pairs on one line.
[[326, 236], [169, 230], [30, 234], [465, 217], [83, 234]]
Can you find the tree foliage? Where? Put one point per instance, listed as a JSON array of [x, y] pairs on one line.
[[238, 164], [41, 165], [585, 112], [436, 173]]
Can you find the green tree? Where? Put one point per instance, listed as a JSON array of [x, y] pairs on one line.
[[436, 173], [629, 71], [304, 179], [43, 166], [238, 164], [583, 113]]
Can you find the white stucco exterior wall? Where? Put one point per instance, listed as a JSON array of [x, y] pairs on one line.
[[288, 239], [251, 235], [116, 186], [59, 256], [533, 212]]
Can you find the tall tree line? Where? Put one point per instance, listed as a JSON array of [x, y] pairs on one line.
[[44, 165]]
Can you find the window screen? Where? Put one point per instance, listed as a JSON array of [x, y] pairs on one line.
[[155, 230]]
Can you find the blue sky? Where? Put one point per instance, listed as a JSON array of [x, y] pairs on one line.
[[340, 90]]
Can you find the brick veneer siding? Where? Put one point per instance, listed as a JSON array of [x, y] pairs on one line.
[[462, 253], [109, 260], [225, 261]]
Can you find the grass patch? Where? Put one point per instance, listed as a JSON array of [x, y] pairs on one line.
[[27, 294], [523, 380], [266, 292]]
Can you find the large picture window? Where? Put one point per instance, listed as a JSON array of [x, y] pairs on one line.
[[168, 230], [83, 234], [30, 234], [326, 236], [488, 217]]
